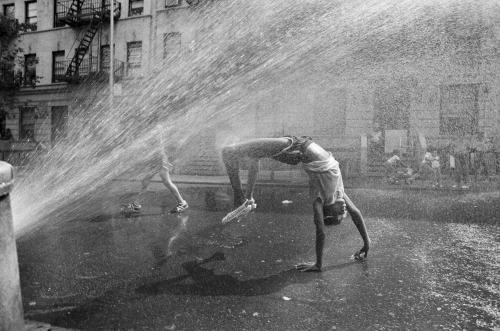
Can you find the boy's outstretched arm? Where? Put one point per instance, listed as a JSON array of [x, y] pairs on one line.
[[358, 220], [320, 239]]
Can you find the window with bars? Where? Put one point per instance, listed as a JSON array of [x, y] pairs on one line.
[[27, 123], [459, 109], [30, 69], [171, 45], [31, 18], [172, 3], [136, 7], [9, 10], [134, 58], [58, 66]]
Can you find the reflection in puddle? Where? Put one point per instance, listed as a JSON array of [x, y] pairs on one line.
[[181, 227]]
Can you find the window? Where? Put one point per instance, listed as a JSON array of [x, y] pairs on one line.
[[172, 3], [459, 109], [105, 58], [134, 58], [30, 69], [58, 66], [9, 10], [60, 12], [27, 123], [31, 18], [59, 122], [136, 7], [171, 44]]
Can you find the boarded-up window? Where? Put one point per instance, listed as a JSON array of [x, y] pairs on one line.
[[171, 45], [459, 109], [27, 123], [134, 58]]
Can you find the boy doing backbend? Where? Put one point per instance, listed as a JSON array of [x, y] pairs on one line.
[[325, 181]]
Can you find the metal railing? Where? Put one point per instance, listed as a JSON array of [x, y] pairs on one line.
[[85, 10], [90, 66]]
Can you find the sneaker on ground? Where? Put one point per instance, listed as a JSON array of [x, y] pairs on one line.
[[181, 206], [252, 204], [244, 209], [132, 207]]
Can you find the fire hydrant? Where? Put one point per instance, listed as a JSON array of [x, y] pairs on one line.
[[11, 307]]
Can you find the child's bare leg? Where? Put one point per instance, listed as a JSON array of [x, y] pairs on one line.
[[165, 178], [253, 149], [232, 163], [253, 171]]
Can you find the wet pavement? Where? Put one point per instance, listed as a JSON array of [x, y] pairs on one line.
[[433, 265]]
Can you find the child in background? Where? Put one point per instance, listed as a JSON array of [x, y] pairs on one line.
[[159, 164], [431, 162], [394, 166]]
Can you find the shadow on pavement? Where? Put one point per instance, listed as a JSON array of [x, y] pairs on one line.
[[204, 281], [201, 282]]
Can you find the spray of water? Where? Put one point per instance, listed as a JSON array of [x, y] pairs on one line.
[[244, 53]]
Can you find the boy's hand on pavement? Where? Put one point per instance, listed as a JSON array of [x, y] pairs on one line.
[[308, 267], [359, 254]]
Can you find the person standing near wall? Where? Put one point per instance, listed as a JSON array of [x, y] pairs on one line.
[[461, 163]]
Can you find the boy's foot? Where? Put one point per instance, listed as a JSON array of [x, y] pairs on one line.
[[132, 207], [465, 187], [243, 210], [181, 206], [251, 203]]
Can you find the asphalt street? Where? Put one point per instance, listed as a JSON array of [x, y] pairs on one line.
[[433, 264]]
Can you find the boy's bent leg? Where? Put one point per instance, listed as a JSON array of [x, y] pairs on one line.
[[253, 149], [231, 159], [253, 171]]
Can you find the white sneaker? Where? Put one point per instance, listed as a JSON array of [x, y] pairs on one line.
[[133, 207], [243, 210], [181, 206], [252, 204]]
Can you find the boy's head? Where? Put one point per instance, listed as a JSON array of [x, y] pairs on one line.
[[334, 213]]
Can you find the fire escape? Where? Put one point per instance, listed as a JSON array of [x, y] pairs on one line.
[[90, 14]]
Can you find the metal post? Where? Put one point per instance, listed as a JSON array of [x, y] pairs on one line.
[[11, 307], [111, 51]]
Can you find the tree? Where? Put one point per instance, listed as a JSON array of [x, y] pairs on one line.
[[10, 77]]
